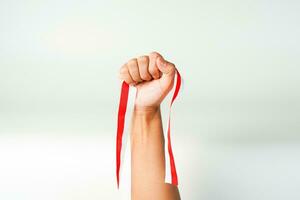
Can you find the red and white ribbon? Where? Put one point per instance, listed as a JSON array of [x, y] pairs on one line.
[[120, 132]]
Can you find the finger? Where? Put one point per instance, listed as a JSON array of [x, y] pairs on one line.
[[134, 70], [125, 76], [168, 69], [143, 63], [153, 70]]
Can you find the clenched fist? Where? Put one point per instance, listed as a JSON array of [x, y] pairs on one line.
[[153, 77]]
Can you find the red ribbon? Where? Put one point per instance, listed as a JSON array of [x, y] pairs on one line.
[[120, 129]]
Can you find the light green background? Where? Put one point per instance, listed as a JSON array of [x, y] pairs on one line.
[[236, 124]]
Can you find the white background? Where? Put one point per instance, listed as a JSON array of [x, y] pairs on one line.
[[236, 126]]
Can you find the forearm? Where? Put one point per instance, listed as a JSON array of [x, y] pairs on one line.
[[148, 160]]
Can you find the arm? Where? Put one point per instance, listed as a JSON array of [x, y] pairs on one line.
[[153, 78], [148, 161]]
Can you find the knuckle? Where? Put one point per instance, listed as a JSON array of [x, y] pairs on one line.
[[172, 67], [143, 59], [132, 62], [154, 54], [123, 69], [133, 70]]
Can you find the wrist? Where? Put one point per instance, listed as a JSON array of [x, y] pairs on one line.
[[146, 110], [146, 123]]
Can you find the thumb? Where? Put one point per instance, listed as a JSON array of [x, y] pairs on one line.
[[168, 72]]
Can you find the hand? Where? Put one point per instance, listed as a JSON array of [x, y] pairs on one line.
[[153, 77]]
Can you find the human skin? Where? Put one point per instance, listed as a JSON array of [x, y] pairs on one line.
[[153, 77]]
